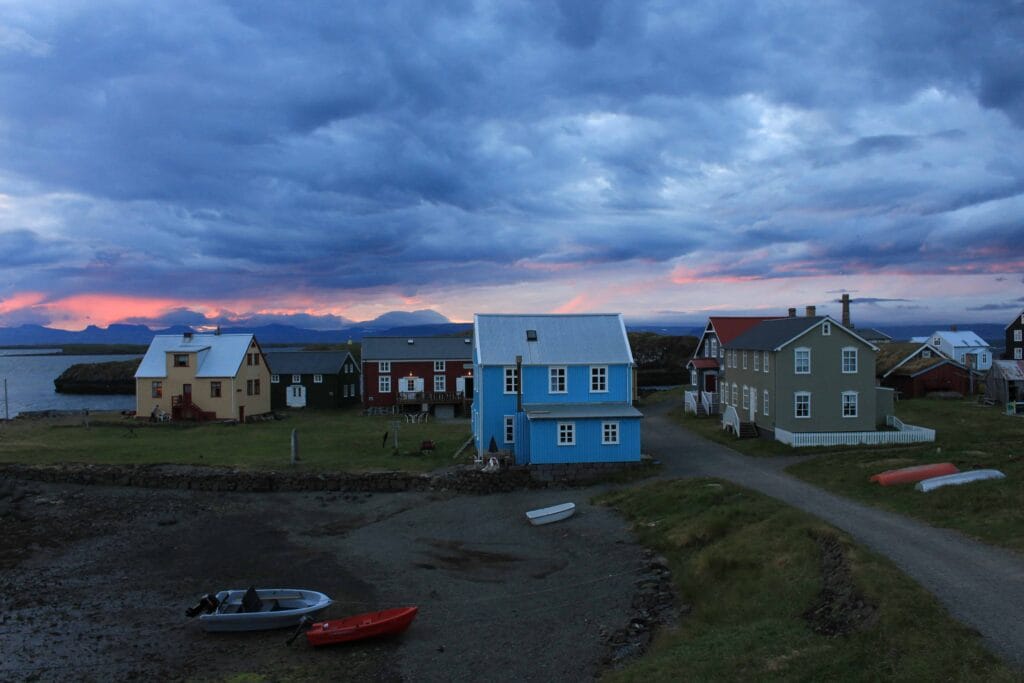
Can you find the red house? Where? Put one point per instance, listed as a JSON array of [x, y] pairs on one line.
[[417, 374], [704, 366], [916, 370]]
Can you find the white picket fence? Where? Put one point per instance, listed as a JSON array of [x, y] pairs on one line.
[[690, 402], [906, 434], [710, 402]]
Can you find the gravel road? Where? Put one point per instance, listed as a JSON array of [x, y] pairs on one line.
[[981, 586]]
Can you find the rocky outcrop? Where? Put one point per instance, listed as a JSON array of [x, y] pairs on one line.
[[111, 377]]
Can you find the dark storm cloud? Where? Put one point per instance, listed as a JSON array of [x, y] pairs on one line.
[[196, 147]]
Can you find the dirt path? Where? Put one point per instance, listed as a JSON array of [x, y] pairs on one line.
[[981, 586], [94, 581]]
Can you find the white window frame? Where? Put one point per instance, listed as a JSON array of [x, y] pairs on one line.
[[764, 403], [438, 366], [757, 362], [984, 358], [296, 379], [440, 383], [926, 353], [797, 395], [558, 380], [796, 360], [843, 403], [744, 360], [566, 435], [609, 433], [734, 389], [510, 429], [849, 352], [599, 379], [1018, 335], [318, 379], [693, 378], [746, 398], [1018, 353], [275, 379], [826, 329], [384, 384], [384, 366], [765, 362], [714, 347], [511, 379]]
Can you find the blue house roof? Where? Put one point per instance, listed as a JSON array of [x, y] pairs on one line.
[[556, 339]]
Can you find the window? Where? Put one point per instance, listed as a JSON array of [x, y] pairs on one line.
[[1018, 354], [439, 383], [746, 397], [609, 433], [826, 329], [984, 358], [764, 403], [721, 353], [384, 384], [566, 433], [214, 389], [766, 361], [296, 379], [1017, 335], [556, 380], [599, 378], [802, 405], [927, 353], [181, 360], [511, 380], [802, 361], [733, 401], [849, 360], [318, 379], [693, 378], [275, 379], [714, 347], [744, 360], [510, 429], [963, 358], [438, 366], [252, 387], [849, 404], [757, 361], [410, 384], [384, 366], [157, 390]]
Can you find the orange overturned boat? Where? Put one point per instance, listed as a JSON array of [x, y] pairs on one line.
[[910, 475], [370, 625]]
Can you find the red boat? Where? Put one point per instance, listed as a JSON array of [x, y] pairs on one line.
[[909, 475], [370, 625]]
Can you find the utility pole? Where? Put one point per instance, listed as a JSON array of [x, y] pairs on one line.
[[7, 412]]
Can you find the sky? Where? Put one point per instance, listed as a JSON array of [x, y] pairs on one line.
[[314, 163]]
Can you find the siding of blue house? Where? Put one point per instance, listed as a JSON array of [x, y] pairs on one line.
[[544, 448]]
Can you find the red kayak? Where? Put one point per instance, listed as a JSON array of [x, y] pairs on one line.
[[909, 475], [369, 625]]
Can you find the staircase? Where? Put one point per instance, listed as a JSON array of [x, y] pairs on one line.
[[182, 408], [748, 430]]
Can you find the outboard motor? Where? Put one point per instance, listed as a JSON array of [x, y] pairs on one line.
[[207, 605]]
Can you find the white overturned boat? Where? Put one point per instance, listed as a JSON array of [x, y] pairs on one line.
[[956, 479], [257, 609], [555, 513]]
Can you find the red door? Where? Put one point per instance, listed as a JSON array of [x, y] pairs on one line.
[[186, 392], [709, 382]]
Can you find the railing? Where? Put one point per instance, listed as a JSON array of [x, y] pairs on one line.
[[730, 418], [690, 402], [430, 396], [905, 434], [709, 400]]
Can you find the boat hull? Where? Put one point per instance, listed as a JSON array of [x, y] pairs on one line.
[[555, 513], [910, 475], [370, 625], [958, 479], [282, 608]]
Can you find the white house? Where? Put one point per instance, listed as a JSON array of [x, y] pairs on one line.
[[965, 347]]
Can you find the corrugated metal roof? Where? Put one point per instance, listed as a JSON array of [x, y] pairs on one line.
[[961, 338], [219, 355], [1011, 370], [872, 335], [307, 362], [422, 348], [729, 327], [561, 339], [772, 335], [565, 411]]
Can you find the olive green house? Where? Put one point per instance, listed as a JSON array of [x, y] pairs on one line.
[[807, 381]]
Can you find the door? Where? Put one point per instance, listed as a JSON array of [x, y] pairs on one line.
[[460, 385], [186, 394], [296, 396], [241, 413], [753, 404], [710, 380]]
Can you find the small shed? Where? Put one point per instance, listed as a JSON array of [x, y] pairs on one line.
[[916, 370], [1004, 382]]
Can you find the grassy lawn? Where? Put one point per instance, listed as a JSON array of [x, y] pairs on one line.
[[750, 568], [328, 440], [968, 435]]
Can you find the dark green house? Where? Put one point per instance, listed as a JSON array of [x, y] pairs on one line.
[[313, 379]]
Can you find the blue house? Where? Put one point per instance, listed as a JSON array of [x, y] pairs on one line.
[[575, 401]]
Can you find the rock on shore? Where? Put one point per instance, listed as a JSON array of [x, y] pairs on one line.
[[111, 377]]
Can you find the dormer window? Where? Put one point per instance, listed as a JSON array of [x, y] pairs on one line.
[[826, 329], [927, 353], [531, 335], [181, 360]]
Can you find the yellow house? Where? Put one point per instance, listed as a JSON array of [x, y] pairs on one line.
[[202, 377]]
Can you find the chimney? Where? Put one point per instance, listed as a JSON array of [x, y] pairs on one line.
[[810, 311], [792, 313], [846, 311]]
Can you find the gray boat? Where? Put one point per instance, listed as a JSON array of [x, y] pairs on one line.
[[257, 609]]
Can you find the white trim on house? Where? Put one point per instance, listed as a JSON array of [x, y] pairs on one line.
[[797, 395]]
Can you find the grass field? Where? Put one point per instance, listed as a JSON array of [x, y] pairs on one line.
[[750, 569], [328, 440]]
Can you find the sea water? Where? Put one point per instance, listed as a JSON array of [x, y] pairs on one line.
[[30, 383]]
